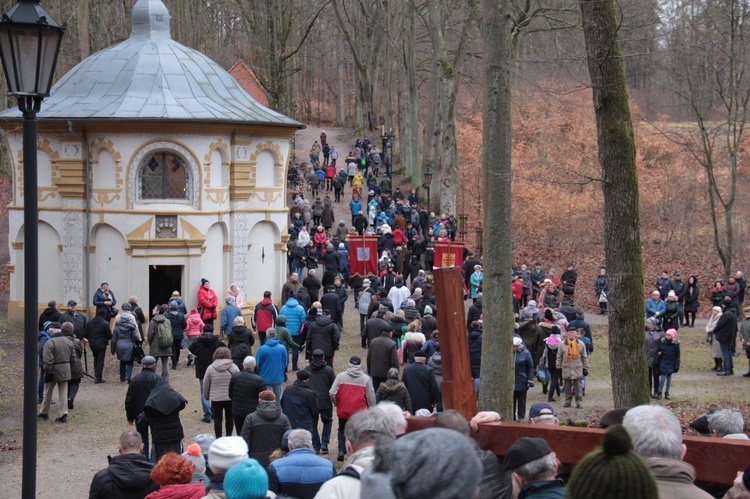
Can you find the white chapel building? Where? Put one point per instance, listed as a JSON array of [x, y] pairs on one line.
[[156, 169]]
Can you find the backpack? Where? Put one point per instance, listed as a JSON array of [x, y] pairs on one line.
[[164, 335]]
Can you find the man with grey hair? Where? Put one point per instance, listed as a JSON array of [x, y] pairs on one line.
[[244, 389], [534, 467], [128, 473], [300, 473], [395, 413], [362, 430], [727, 423], [657, 436]]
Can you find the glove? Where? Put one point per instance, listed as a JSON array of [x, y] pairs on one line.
[[531, 384], [49, 377], [585, 372]]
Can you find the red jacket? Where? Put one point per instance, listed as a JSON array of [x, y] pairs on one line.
[[209, 301], [264, 315], [179, 491], [330, 172], [517, 287]]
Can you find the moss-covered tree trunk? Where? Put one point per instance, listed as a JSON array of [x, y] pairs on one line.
[[496, 392], [622, 242]]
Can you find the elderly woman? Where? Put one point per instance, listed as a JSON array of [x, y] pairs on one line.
[[475, 281], [174, 474], [714, 348], [234, 292], [394, 391], [654, 335], [413, 341], [124, 338]]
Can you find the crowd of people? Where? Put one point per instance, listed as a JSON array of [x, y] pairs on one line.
[[267, 407]]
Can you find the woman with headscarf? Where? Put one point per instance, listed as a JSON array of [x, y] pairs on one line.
[[234, 292]]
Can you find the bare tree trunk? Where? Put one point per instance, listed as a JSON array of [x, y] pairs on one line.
[[409, 129], [497, 359], [622, 242], [84, 20]]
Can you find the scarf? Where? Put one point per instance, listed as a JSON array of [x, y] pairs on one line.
[[572, 351]]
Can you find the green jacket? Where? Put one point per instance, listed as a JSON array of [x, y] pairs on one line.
[[285, 338]]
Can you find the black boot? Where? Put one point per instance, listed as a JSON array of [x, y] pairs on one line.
[[666, 395], [658, 395]]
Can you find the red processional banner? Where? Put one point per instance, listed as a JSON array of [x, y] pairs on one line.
[[449, 254], [363, 255]]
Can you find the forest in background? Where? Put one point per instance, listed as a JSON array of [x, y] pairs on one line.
[[416, 66]]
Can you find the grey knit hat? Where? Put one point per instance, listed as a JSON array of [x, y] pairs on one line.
[[423, 464]]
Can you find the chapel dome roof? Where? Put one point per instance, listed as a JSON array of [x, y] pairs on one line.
[[149, 76]]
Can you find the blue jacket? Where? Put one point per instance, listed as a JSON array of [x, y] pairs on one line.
[[524, 369], [299, 474], [272, 359], [295, 316], [300, 404], [228, 315], [652, 307], [355, 206]]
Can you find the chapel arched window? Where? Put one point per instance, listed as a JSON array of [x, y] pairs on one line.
[[163, 175]]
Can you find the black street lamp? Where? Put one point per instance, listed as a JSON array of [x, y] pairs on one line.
[[427, 182], [29, 45], [480, 241]]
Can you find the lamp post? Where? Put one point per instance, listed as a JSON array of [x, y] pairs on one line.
[[29, 45], [427, 182], [480, 241]]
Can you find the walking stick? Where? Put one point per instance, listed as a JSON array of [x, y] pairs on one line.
[[86, 362]]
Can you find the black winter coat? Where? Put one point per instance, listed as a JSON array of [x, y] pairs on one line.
[[48, 315], [324, 334], [240, 343], [203, 348], [726, 327], [178, 323], [162, 412], [313, 285], [98, 333], [127, 477], [394, 391], [667, 357], [263, 431], [244, 389], [374, 328], [331, 260], [691, 299], [300, 404], [422, 385], [139, 389], [382, 354], [331, 302], [475, 312], [475, 352], [321, 381]]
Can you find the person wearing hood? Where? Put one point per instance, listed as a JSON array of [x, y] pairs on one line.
[[44, 335], [264, 316], [240, 342], [285, 338], [180, 302], [203, 349], [216, 389], [272, 359], [163, 353], [429, 322], [692, 293], [208, 302], [264, 429], [244, 388], [393, 390], [124, 338], [162, 411], [351, 392], [49, 314], [548, 361], [342, 231], [295, 318], [410, 310], [321, 381], [231, 311], [57, 356], [234, 292], [524, 378], [193, 329], [324, 334], [128, 473]]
